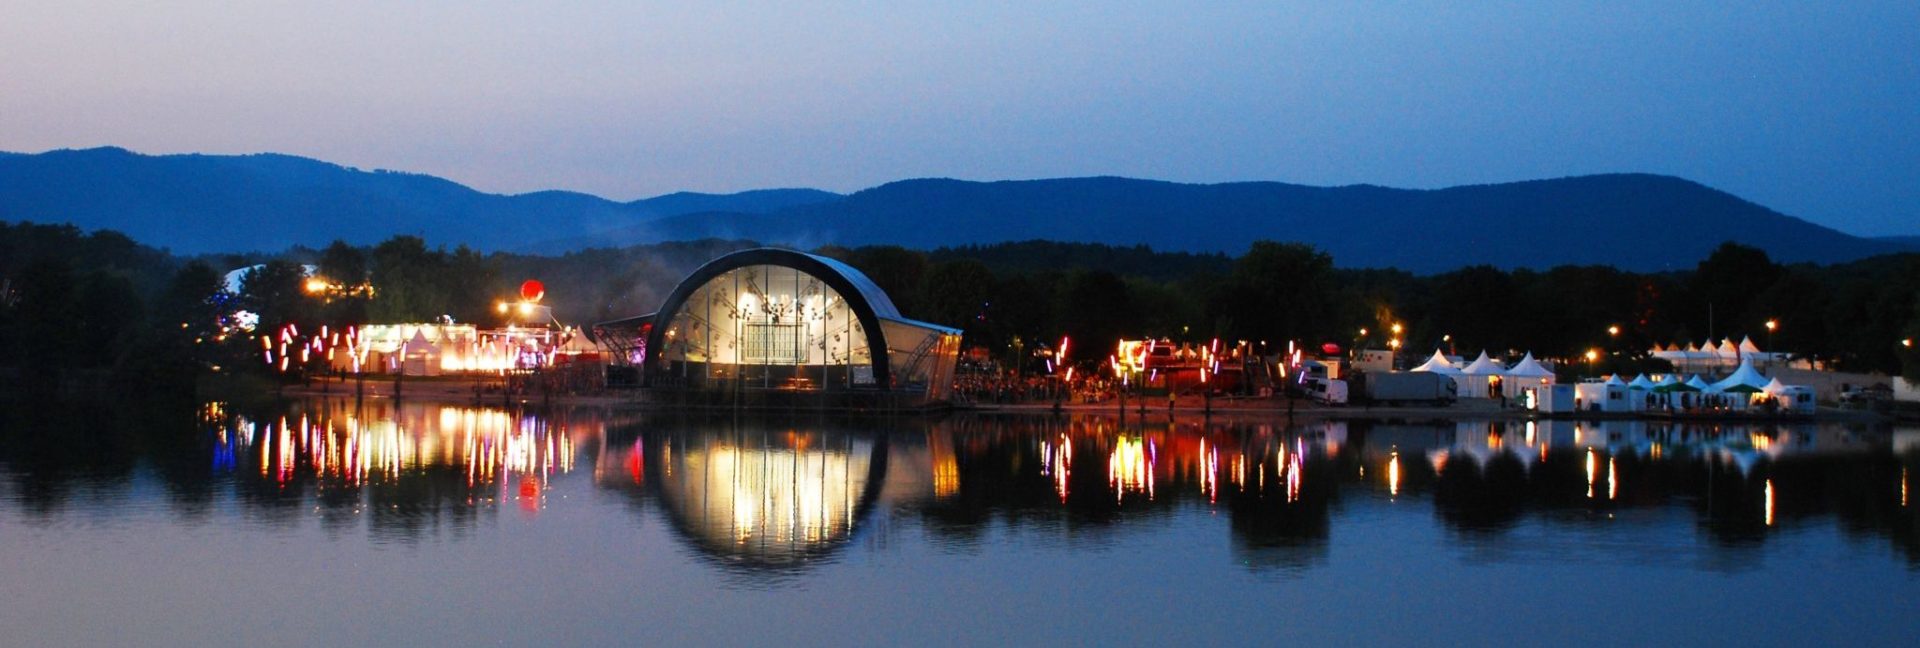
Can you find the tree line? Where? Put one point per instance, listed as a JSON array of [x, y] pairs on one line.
[[101, 302]]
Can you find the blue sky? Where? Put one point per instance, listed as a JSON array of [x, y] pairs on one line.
[[1809, 108]]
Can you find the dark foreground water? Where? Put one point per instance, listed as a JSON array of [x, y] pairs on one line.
[[421, 524]]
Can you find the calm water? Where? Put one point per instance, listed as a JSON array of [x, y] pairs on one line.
[[331, 523]]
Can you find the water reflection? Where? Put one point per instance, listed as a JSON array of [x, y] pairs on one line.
[[757, 497], [406, 470], [782, 496]]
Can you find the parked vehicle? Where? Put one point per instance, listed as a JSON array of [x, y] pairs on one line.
[[1408, 387]]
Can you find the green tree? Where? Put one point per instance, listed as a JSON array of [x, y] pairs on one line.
[[1727, 283], [345, 266], [107, 319], [1277, 292], [276, 291], [955, 293]]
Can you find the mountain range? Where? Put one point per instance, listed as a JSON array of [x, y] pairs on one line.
[[215, 203]]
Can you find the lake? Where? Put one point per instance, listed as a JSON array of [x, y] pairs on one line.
[[331, 522]]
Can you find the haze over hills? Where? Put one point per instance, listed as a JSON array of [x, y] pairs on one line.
[[209, 203]]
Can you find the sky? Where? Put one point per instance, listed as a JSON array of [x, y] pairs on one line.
[[1810, 108]]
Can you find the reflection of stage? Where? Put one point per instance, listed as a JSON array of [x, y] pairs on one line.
[[767, 498]]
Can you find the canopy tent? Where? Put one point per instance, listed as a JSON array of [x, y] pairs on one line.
[[1672, 383], [1439, 364], [420, 356], [1528, 367], [1481, 378], [1697, 384], [1616, 381], [1744, 380], [1640, 383], [1528, 374], [1792, 399]]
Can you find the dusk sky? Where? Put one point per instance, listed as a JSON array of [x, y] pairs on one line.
[[1812, 109]]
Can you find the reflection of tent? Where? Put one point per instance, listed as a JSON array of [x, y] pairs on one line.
[[1439, 364], [1742, 381]]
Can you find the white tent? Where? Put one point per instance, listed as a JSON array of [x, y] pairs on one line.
[[1481, 378], [1439, 364], [1792, 399], [1639, 393], [1743, 380], [420, 357], [1528, 375]]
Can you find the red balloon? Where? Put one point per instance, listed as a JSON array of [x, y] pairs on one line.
[[1330, 348], [532, 290]]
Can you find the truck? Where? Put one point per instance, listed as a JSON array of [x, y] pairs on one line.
[[1327, 391], [1407, 387]]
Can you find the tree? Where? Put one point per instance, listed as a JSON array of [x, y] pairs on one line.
[[1727, 282], [345, 266], [107, 319], [1278, 291], [1096, 308], [955, 293], [276, 291], [406, 281]]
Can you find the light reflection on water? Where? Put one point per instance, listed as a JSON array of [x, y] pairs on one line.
[[969, 506]]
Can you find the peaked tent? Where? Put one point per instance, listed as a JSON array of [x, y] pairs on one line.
[[1527, 375], [1640, 383], [1696, 384], [1482, 378], [1743, 381], [1439, 364]]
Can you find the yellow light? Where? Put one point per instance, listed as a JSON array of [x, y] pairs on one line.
[[526, 308], [1771, 325], [1363, 332], [1396, 329], [1769, 511], [315, 284], [1613, 330], [1907, 343], [501, 306], [1592, 355]]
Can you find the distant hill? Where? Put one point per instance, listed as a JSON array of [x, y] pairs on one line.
[[209, 203], [219, 203], [1910, 243], [1634, 221]]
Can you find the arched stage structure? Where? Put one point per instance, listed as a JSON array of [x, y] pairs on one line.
[[767, 324]]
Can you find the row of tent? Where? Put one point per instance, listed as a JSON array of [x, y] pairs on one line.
[[1743, 389], [1724, 353], [1487, 378]]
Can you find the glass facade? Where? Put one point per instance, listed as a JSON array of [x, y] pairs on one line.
[[765, 326], [772, 319]]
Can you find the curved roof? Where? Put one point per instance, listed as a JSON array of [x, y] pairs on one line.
[[869, 303]]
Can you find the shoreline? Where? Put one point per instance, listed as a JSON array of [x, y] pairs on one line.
[[489, 392]]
